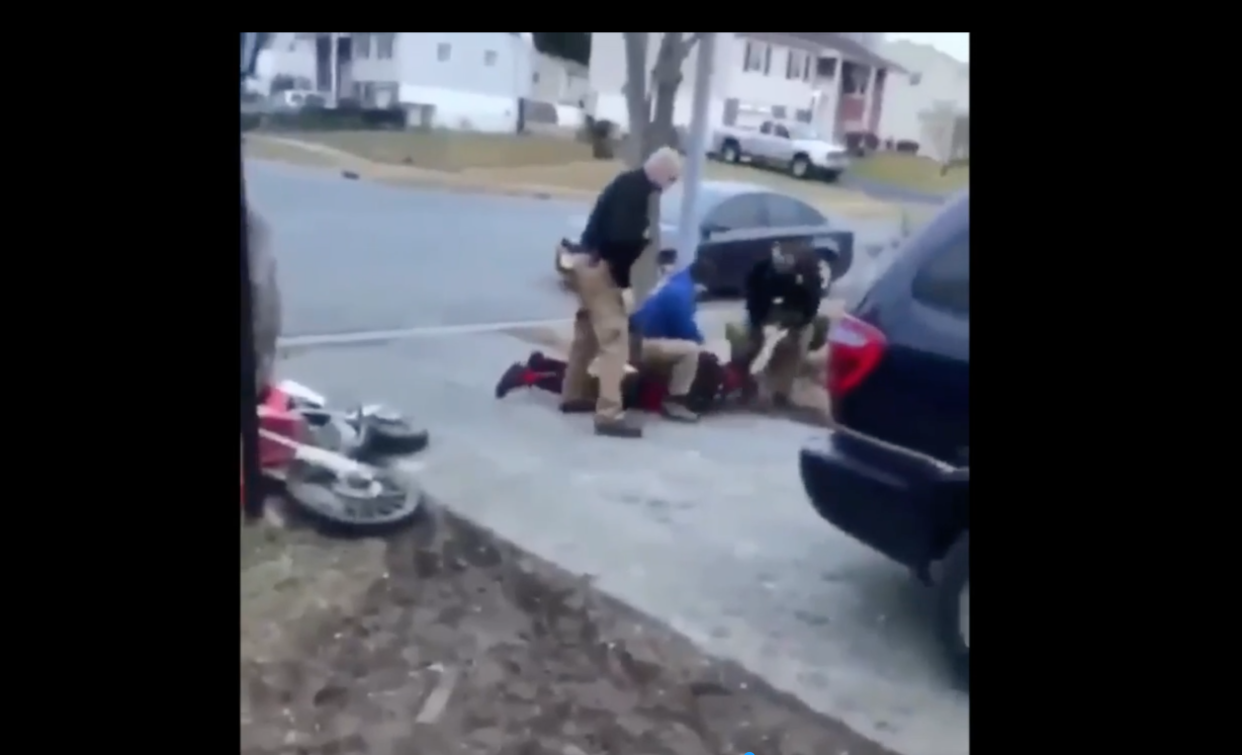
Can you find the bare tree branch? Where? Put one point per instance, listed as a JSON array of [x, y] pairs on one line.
[[691, 41]]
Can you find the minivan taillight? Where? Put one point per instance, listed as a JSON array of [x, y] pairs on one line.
[[854, 349]]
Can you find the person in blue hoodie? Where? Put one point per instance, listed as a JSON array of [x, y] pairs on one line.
[[675, 374], [671, 339]]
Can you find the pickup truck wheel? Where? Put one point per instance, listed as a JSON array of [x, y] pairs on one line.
[[800, 167], [953, 608], [729, 152]]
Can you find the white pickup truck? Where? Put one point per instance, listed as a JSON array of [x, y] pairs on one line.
[[785, 145]]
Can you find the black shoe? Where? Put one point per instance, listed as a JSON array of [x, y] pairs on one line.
[[781, 401], [578, 406], [674, 408], [617, 428], [510, 380]]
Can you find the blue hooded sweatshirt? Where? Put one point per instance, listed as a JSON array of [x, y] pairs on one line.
[[669, 312]]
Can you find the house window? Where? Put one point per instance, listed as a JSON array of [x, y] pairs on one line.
[[362, 44], [443, 51], [489, 58], [384, 41], [798, 65], [755, 56]]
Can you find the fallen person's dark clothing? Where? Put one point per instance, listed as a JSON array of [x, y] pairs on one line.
[[713, 383]]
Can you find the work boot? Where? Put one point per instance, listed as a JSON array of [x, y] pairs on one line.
[[510, 380], [578, 406], [621, 427], [674, 408]]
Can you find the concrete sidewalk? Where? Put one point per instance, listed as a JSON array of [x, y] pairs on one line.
[[705, 528]]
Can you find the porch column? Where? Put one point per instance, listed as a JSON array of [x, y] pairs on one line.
[[696, 149], [869, 99], [334, 66]]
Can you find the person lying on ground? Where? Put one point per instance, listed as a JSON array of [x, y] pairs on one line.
[[715, 383], [670, 340], [784, 290]]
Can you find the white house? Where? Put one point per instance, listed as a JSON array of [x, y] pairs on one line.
[[936, 80], [832, 80], [560, 81], [460, 80]]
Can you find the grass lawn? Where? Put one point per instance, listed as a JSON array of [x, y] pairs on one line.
[[549, 162], [911, 172], [452, 150]]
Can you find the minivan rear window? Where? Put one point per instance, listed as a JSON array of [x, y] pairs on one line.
[[943, 282]]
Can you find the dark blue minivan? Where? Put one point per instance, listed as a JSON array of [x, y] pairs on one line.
[[894, 471]]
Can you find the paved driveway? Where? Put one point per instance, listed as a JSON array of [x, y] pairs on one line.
[[358, 256]]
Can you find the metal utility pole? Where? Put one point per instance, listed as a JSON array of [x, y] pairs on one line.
[[696, 151]]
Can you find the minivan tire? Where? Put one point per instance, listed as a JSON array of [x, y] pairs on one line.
[[730, 153], [953, 608]]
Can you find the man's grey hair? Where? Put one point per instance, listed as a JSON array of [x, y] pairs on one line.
[[665, 162]]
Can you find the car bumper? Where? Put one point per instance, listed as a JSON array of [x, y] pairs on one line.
[[833, 165], [879, 494]]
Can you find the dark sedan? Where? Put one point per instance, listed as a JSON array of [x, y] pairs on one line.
[[738, 225]]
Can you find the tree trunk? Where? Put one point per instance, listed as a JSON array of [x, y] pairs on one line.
[[650, 130], [637, 103]]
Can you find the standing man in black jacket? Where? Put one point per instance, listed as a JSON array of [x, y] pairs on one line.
[[615, 236], [782, 290]]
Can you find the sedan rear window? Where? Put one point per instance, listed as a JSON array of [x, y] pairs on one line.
[[944, 280]]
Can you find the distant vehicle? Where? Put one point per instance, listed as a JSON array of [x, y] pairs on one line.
[[894, 472], [738, 223], [785, 145]]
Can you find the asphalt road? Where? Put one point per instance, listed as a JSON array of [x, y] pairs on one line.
[[357, 256], [705, 528]]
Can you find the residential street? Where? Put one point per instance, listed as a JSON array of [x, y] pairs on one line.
[[704, 528], [357, 256]]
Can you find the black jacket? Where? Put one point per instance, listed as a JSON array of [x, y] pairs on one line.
[[617, 228], [800, 291]]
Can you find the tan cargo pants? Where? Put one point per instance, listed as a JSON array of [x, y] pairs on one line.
[[680, 358], [601, 327], [787, 357]]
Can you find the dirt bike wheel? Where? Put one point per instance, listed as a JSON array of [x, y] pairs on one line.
[[384, 434], [358, 505]]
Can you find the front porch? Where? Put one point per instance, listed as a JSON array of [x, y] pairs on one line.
[[848, 98]]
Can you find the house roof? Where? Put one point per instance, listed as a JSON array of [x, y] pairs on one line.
[[832, 40]]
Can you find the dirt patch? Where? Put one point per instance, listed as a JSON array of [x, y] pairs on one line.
[[462, 643]]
